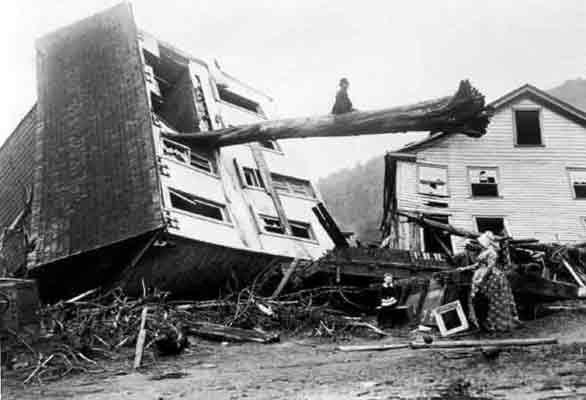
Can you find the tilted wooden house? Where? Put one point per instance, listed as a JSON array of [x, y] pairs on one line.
[[114, 199], [526, 177]]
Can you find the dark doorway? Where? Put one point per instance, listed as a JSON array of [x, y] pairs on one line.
[[433, 237]]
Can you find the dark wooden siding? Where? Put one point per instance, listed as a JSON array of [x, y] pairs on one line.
[[16, 168], [95, 171]]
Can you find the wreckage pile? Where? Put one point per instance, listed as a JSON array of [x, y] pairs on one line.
[[84, 332]]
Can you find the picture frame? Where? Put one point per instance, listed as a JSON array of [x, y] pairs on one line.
[[450, 318]]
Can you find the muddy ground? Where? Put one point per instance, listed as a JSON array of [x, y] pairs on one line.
[[312, 368]]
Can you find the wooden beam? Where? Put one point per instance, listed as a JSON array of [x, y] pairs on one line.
[[464, 112]]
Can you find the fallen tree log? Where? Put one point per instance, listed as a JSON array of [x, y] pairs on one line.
[[464, 112], [217, 332]]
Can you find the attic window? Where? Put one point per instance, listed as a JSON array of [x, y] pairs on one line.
[[483, 182], [528, 127], [239, 101], [578, 180], [433, 180], [494, 224]]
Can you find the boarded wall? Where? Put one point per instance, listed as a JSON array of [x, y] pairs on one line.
[[16, 168], [95, 176]]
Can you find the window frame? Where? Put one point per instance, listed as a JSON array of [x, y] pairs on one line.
[[306, 225], [210, 161], [471, 168], [515, 130], [430, 165], [226, 218], [570, 180], [257, 177], [287, 187], [503, 217]]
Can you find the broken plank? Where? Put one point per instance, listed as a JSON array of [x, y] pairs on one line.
[[140, 339], [223, 333], [374, 347], [484, 343]]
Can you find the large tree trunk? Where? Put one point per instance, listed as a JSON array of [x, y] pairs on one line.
[[465, 112]]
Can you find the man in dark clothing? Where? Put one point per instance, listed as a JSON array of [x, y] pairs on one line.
[[343, 103]]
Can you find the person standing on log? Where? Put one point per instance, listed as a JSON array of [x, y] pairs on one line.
[[343, 104]]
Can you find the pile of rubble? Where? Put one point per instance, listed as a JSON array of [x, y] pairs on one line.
[[81, 334]]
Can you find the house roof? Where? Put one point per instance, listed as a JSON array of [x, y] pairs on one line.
[[526, 91]]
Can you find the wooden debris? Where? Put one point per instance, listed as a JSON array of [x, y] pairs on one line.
[[286, 277], [485, 343], [374, 347], [141, 339], [222, 333]]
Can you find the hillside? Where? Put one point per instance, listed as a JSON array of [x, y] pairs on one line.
[[354, 195]]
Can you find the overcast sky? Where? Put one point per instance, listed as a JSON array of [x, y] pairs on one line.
[[392, 52]]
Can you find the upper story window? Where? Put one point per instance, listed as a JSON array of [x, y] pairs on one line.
[[239, 101], [271, 145], [300, 230], [252, 177], [433, 180], [528, 127], [483, 182], [292, 185], [194, 205], [578, 181], [184, 154]]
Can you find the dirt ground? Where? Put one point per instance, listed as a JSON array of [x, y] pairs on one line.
[[308, 368]]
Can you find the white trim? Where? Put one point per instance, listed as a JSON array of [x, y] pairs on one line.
[[570, 180]]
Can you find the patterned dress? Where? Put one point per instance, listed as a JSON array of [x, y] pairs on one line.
[[491, 283]]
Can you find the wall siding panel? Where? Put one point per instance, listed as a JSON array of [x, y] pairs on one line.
[[536, 198], [95, 176]]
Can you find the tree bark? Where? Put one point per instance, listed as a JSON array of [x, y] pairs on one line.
[[464, 112]]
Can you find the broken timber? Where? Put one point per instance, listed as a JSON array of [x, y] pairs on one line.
[[464, 112]]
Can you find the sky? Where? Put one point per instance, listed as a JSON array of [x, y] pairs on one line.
[[393, 52]]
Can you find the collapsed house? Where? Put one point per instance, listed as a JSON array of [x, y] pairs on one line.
[[107, 183], [142, 166]]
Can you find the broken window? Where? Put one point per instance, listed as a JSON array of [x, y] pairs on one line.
[[435, 240], [270, 144], [187, 155], [175, 103], [200, 162], [483, 182], [301, 230], [239, 101], [298, 229], [176, 150], [433, 180], [578, 179], [252, 177], [192, 204], [288, 184], [494, 224], [273, 225], [528, 127]]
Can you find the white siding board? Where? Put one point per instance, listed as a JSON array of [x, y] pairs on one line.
[[536, 195]]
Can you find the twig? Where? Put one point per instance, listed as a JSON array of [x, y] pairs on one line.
[[41, 365]]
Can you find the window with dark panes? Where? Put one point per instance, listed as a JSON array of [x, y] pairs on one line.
[[578, 179], [301, 230], [273, 225], [192, 204], [483, 182], [528, 127], [494, 224], [252, 177]]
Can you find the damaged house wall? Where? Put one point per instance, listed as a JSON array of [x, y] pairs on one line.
[[95, 179], [105, 181], [497, 180]]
